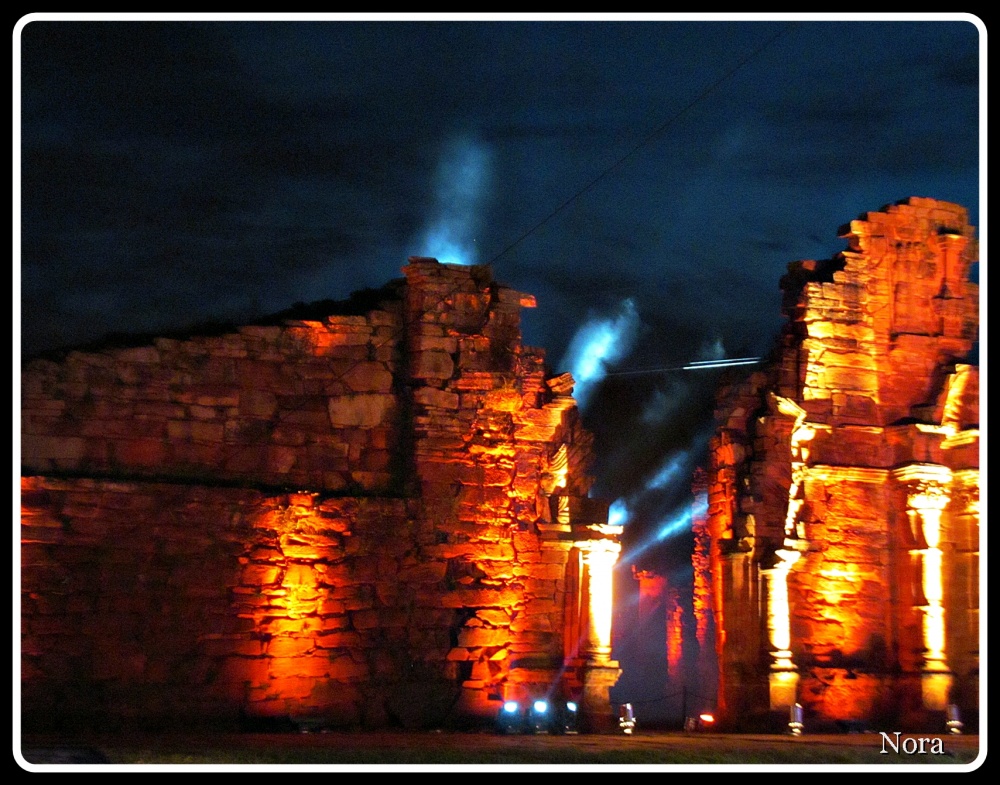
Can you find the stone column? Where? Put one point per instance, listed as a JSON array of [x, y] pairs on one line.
[[965, 522], [927, 505], [927, 496], [783, 676], [600, 672], [599, 557]]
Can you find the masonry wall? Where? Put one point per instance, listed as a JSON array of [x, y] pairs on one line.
[[845, 474], [310, 403], [368, 519]]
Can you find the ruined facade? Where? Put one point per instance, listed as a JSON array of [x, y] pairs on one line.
[[843, 488], [377, 519]]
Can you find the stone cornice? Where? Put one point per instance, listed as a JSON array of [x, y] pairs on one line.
[[923, 472]]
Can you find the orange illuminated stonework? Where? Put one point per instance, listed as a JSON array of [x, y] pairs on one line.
[[372, 513], [843, 488]]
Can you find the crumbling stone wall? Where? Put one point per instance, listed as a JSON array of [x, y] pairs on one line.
[[310, 403], [843, 486], [366, 519]]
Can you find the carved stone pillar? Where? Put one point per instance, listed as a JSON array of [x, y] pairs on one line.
[[600, 672], [965, 596], [927, 496], [599, 557], [783, 676]]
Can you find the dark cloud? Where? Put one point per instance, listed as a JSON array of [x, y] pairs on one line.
[[962, 73]]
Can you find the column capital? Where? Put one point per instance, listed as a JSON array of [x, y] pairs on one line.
[[920, 475]]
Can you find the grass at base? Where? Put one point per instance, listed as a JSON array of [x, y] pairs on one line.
[[488, 749], [569, 756]]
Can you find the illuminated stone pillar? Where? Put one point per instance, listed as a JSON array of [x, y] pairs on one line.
[[599, 557], [964, 657], [927, 496], [600, 672], [783, 676]]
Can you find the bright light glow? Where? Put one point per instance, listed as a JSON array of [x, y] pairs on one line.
[[671, 526], [461, 183], [571, 706], [778, 615], [832, 584], [676, 470], [668, 472], [778, 611], [801, 434], [599, 556], [602, 564], [934, 612], [928, 502], [617, 513], [541, 707], [511, 707], [597, 345], [706, 718], [675, 525]]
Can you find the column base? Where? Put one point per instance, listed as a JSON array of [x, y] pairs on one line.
[[935, 690], [597, 715], [784, 688]]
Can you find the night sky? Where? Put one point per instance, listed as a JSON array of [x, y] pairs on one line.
[[648, 180]]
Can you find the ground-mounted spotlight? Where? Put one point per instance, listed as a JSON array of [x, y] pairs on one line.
[[795, 724], [510, 718], [954, 722], [626, 719], [564, 718], [703, 722], [540, 716], [570, 718]]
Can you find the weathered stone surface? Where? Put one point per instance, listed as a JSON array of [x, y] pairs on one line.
[[837, 457], [360, 411], [393, 555], [428, 396], [433, 364], [368, 377]]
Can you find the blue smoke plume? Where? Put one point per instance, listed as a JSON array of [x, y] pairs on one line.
[[618, 513], [461, 183], [670, 471], [598, 345]]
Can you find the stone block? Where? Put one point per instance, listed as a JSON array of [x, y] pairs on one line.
[[140, 452], [260, 575], [426, 572], [365, 410], [472, 637], [442, 399], [368, 377], [432, 364]]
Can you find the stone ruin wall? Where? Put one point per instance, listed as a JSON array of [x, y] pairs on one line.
[[377, 519], [846, 471]]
